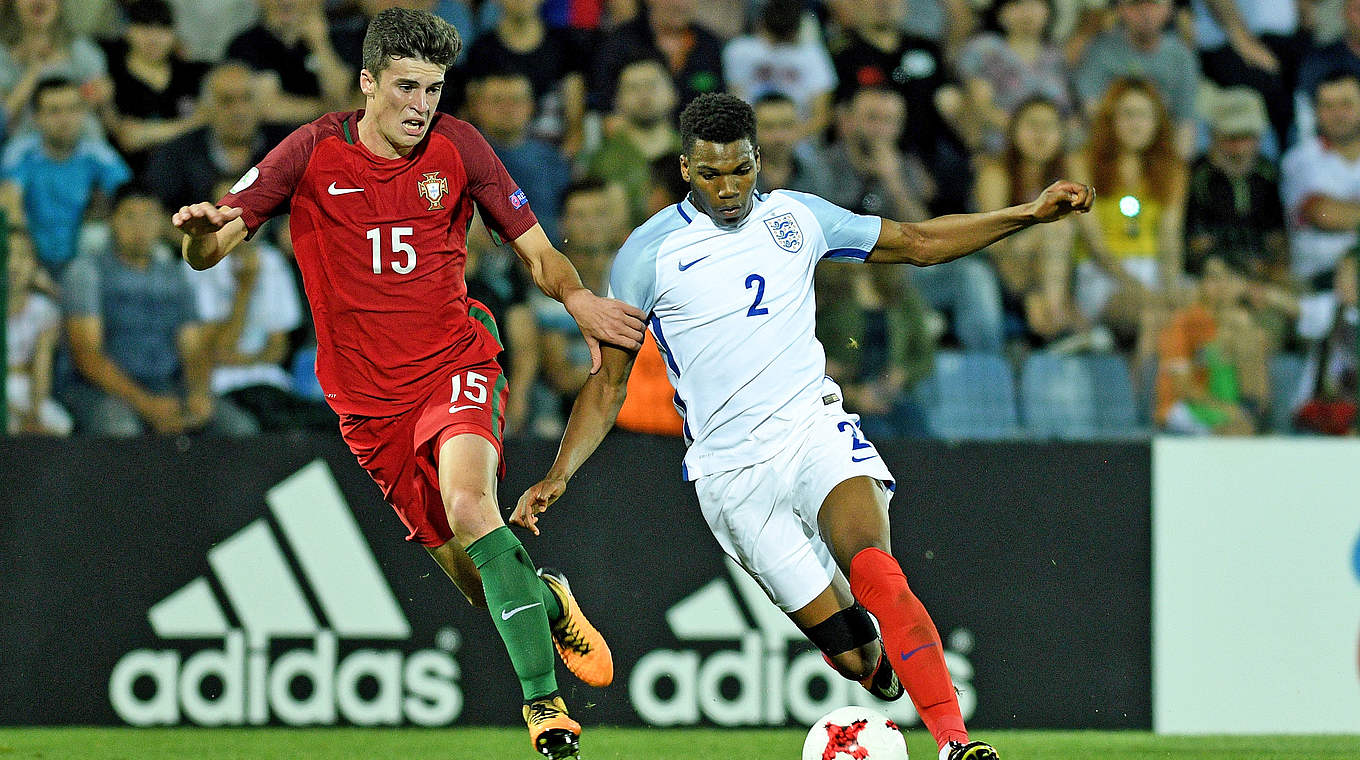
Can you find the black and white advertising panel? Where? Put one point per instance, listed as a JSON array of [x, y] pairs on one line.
[[264, 582]]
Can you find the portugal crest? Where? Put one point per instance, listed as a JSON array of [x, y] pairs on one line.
[[433, 188], [786, 233]]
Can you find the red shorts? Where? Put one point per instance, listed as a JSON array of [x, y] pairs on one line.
[[401, 452]]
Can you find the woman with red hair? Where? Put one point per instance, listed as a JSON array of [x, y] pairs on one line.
[[1130, 247]]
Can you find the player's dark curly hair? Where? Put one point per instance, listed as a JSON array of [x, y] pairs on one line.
[[717, 118], [403, 33]]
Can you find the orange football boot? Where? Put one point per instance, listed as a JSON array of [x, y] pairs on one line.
[[553, 733], [582, 649]]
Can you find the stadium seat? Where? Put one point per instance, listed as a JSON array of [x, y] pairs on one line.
[[969, 396], [1286, 372], [1078, 396], [1145, 392]]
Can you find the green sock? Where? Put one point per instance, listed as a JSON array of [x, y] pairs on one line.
[[550, 603], [515, 599]]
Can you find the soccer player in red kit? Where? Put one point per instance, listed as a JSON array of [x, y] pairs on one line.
[[380, 203]]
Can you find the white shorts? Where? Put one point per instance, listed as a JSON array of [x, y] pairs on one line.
[[765, 515]]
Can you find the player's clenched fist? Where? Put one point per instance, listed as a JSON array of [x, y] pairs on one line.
[[203, 218], [1062, 198], [536, 501]]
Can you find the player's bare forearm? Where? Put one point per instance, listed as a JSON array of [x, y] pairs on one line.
[[594, 412], [549, 269], [592, 416], [204, 251], [945, 238], [209, 233]]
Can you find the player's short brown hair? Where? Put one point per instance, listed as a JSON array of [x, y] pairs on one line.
[[403, 33]]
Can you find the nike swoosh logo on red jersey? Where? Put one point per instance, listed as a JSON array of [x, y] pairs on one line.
[[463, 408], [333, 190]]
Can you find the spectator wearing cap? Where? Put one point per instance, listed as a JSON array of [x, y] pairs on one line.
[[155, 91], [1320, 183], [1233, 210]]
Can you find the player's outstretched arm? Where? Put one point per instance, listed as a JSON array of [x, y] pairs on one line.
[[946, 238], [592, 417], [602, 320], [210, 232]]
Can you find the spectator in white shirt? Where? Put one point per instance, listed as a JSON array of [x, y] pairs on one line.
[[784, 57], [1320, 183]]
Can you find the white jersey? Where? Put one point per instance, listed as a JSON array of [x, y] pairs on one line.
[[1311, 169], [732, 310]]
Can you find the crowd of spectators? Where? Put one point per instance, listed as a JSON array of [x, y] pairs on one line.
[[1222, 138]]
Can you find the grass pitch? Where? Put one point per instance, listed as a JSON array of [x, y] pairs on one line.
[[621, 744]]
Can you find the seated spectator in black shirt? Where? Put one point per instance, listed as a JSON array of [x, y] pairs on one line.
[[292, 45], [231, 141], [665, 30], [553, 60], [1234, 210], [155, 91]]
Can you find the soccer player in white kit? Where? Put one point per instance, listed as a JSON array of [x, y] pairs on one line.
[[789, 486]]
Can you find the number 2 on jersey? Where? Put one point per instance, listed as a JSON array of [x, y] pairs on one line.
[[855, 443], [398, 246], [759, 283]]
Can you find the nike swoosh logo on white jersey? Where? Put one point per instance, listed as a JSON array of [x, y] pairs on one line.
[[463, 408], [684, 266], [507, 614], [333, 190]]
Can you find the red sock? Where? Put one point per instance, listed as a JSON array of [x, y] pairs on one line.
[[912, 643]]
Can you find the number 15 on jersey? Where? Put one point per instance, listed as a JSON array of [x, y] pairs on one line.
[[399, 246]]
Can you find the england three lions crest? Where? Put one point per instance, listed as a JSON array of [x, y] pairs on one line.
[[785, 231], [433, 188]]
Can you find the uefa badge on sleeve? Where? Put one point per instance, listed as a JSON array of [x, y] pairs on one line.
[[786, 233], [433, 188]]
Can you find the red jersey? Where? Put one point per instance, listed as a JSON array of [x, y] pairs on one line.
[[382, 245]]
